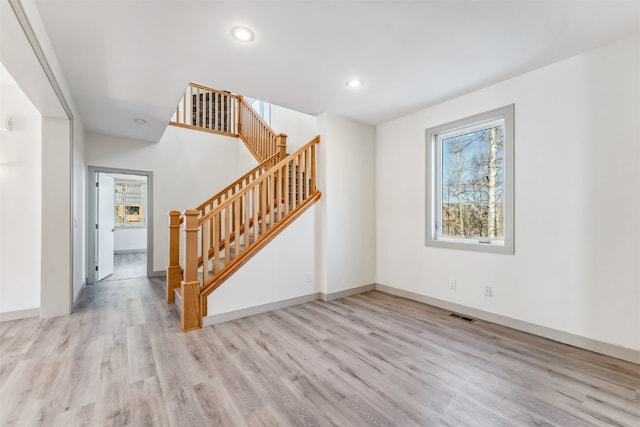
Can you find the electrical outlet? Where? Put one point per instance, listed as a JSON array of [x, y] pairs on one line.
[[310, 277], [452, 283], [488, 291]]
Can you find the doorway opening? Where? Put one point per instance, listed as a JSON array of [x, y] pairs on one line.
[[121, 212]]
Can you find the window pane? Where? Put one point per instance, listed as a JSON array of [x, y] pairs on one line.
[[130, 199], [473, 184]]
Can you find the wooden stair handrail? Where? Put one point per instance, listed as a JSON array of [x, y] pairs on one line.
[[260, 168], [211, 283], [261, 140], [226, 230], [258, 180]]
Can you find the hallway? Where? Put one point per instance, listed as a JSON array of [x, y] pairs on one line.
[[128, 266]]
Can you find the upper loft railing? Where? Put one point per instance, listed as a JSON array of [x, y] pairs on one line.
[[207, 109], [216, 111]]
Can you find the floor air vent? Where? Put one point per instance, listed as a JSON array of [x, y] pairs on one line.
[[461, 317]]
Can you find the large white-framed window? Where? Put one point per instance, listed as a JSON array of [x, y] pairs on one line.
[[470, 183]]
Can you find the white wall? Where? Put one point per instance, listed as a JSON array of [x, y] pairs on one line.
[[188, 167], [345, 225], [278, 272], [79, 209], [20, 204], [63, 251], [300, 128], [576, 263], [130, 239], [57, 169]]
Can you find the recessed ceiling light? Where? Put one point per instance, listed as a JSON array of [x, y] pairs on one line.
[[354, 83], [140, 121], [242, 34]]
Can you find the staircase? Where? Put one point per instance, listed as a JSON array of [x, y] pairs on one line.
[[211, 242]]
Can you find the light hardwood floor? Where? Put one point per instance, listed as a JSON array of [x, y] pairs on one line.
[[369, 359], [128, 266]]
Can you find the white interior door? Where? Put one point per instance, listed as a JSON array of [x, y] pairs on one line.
[[105, 231]]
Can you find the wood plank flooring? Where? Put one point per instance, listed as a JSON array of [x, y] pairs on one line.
[[369, 359], [128, 266]]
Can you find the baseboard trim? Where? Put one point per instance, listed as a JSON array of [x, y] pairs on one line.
[[347, 292], [612, 350], [20, 314], [130, 251], [214, 319], [157, 273], [82, 289]]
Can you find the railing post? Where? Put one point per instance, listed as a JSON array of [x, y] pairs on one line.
[[174, 271], [190, 317], [281, 146]]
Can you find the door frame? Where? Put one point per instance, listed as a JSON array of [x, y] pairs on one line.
[[92, 216]]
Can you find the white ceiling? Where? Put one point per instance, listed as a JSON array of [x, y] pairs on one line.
[[128, 59]]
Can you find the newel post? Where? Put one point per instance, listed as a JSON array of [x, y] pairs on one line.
[[174, 271], [190, 317], [281, 146]]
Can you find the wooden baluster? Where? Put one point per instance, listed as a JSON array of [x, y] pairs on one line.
[[184, 108], [299, 180], [313, 168], [230, 108], [246, 221], [236, 228], [216, 243], [275, 177], [211, 110], [174, 270], [190, 317], [303, 156], [210, 220], [254, 211], [287, 190], [215, 111], [240, 113], [227, 214], [205, 250], [263, 205], [270, 198]]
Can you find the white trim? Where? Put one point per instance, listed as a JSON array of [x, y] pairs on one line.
[[20, 314], [160, 273], [623, 353], [27, 28], [258, 309], [82, 289], [91, 217], [347, 292], [433, 177], [130, 251]]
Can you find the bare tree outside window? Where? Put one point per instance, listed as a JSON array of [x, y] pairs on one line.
[[472, 184]]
